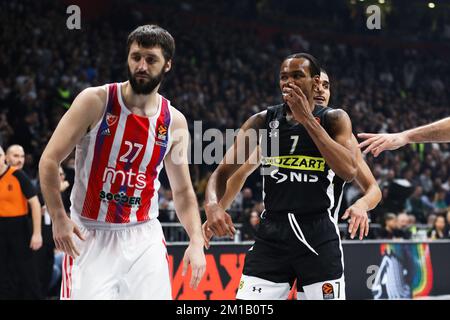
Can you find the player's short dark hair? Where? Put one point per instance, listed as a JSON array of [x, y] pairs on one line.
[[314, 66], [151, 35]]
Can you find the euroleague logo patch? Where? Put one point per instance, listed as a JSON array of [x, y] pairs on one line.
[[328, 291], [162, 132]]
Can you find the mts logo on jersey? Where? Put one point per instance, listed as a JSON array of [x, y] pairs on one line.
[[127, 178]]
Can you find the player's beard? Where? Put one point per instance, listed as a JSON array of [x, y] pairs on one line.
[[144, 87]]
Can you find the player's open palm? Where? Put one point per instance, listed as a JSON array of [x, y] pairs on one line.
[[358, 219], [379, 142], [195, 257], [63, 230]]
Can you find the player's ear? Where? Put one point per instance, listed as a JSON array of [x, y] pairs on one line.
[[168, 66], [315, 82]]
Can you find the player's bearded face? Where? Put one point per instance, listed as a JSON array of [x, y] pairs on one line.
[[143, 82]]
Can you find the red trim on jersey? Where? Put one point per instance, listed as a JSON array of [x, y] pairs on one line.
[[142, 213], [103, 144], [69, 289], [63, 278], [136, 132], [66, 276]]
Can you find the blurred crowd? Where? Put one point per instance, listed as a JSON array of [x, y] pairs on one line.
[[226, 69]]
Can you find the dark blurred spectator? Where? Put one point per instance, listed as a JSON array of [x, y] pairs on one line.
[[447, 222], [389, 227], [403, 226], [412, 224], [247, 203], [250, 227], [439, 229], [440, 205], [416, 205], [430, 220], [167, 206]]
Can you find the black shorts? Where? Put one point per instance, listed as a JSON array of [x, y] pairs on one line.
[[307, 249]]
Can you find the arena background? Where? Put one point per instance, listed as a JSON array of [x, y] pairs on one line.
[[225, 69]]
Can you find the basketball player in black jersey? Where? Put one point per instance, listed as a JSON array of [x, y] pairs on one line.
[[364, 178], [303, 178]]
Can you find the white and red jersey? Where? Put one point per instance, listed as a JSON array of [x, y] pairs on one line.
[[117, 165]]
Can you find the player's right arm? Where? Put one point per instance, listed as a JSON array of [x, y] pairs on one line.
[[234, 185], [237, 180], [85, 111], [438, 131], [219, 221]]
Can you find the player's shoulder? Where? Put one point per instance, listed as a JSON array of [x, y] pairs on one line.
[[177, 119], [94, 95], [274, 108], [336, 118], [176, 114], [89, 104], [336, 114]]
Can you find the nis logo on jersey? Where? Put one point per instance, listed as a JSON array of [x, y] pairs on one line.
[[293, 177]]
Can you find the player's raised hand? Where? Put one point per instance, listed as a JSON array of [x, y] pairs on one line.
[[379, 142], [297, 102], [358, 220], [194, 256], [219, 222]]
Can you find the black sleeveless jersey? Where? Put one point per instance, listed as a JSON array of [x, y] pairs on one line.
[[296, 177]]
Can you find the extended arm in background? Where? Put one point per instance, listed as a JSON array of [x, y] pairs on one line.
[[376, 143]]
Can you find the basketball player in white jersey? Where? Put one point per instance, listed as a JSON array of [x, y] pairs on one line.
[[123, 134]]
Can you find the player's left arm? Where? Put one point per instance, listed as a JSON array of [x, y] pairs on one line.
[[176, 163], [372, 196]]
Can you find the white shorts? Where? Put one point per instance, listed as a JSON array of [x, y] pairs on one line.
[[131, 263], [253, 288]]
